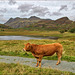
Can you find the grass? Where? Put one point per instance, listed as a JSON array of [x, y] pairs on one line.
[[17, 69], [15, 48], [27, 32]]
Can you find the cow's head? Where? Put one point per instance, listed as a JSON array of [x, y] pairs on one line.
[[27, 47]]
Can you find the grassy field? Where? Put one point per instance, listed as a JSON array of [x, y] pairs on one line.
[[28, 32], [17, 69], [66, 35], [15, 48]]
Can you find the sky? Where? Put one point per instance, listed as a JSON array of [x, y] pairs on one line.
[[45, 9]]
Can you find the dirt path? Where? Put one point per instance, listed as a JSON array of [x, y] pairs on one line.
[[64, 66]]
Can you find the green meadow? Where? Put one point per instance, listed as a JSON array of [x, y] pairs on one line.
[[17, 69], [15, 48]]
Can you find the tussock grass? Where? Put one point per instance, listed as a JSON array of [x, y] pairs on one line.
[[15, 48], [17, 69], [30, 33]]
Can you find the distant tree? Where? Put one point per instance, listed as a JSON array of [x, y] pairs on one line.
[[72, 30], [2, 30], [62, 31], [65, 30]]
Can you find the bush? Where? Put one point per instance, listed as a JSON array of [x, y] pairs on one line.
[[2, 30], [62, 31], [72, 30]]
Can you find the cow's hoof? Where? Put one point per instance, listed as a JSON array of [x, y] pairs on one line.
[[39, 66], [56, 63], [36, 65]]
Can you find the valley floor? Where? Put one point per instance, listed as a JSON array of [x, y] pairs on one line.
[[23, 32]]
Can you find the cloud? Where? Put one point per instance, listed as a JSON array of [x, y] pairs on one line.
[[2, 19], [1, 15], [24, 15], [4, 10], [11, 2], [30, 9], [25, 7], [63, 7], [72, 17], [40, 11], [73, 6], [56, 13]]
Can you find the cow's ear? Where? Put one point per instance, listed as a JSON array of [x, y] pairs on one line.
[[28, 45]]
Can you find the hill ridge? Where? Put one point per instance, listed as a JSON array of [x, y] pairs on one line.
[[36, 22]]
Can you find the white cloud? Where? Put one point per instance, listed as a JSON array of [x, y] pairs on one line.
[[2, 19], [56, 14], [3, 10], [43, 9]]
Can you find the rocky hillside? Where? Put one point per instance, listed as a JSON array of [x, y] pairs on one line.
[[36, 23], [21, 22], [2, 26], [62, 23]]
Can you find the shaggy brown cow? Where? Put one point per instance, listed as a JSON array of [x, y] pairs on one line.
[[38, 51]]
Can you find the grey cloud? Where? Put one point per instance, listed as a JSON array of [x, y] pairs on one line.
[[73, 6], [40, 11], [56, 13], [25, 7], [3, 10], [24, 15], [11, 2], [72, 17], [1, 15], [63, 7], [2, 19]]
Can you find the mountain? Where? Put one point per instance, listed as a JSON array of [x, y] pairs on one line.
[[34, 18], [61, 23], [2, 26], [63, 20], [36, 23], [21, 22]]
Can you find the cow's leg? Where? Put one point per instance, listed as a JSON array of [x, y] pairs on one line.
[[59, 54], [59, 58], [59, 61], [37, 62], [40, 59]]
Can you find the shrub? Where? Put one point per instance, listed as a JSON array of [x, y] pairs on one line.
[[62, 31], [72, 30], [2, 30]]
